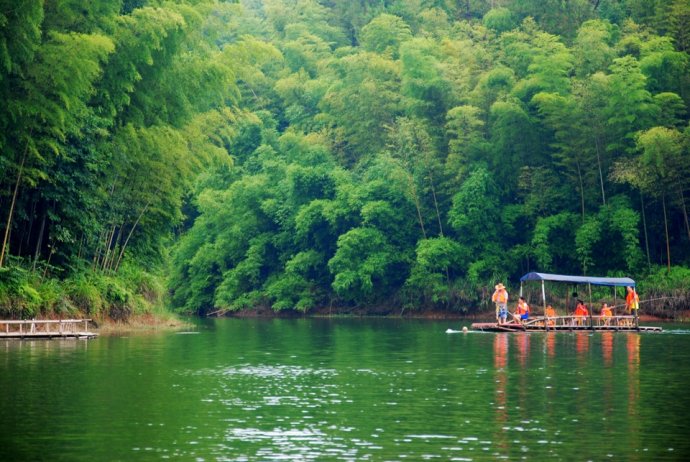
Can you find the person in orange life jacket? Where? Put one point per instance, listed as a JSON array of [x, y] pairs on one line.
[[632, 301], [522, 310], [549, 312], [500, 298], [581, 312], [632, 304], [606, 314]]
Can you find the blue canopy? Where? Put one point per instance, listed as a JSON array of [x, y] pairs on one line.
[[618, 282]]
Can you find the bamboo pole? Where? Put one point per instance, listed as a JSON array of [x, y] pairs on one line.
[[10, 214], [615, 294], [131, 231], [637, 317], [644, 227], [591, 322], [543, 298], [668, 245]]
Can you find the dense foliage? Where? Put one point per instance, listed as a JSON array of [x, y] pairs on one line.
[[109, 111], [311, 153]]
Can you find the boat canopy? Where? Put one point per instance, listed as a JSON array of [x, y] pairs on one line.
[[616, 282]]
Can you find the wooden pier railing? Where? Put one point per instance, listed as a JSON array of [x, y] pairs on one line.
[[46, 328]]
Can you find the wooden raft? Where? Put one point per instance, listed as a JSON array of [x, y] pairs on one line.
[[569, 323], [46, 328]]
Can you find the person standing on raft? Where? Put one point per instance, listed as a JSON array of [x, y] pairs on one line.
[[632, 301], [550, 313], [500, 298]]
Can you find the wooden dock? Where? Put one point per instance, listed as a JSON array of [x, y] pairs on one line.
[[569, 324], [46, 328]]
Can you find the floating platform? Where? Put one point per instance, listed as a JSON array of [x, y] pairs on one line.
[[569, 324], [46, 329]]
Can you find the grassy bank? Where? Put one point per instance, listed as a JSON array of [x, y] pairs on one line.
[[130, 300]]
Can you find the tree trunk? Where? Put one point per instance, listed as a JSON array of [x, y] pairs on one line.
[[433, 190], [97, 253], [601, 175], [582, 191], [50, 255], [413, 189], [644, 227], [685, 211], [109, 244], [668, 244], [131, 231], [8, 226], [433, 195], [81, 246], [39, 241], [118, 245], [32, 215]]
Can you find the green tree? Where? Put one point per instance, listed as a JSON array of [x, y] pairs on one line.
[[499, 19], [437, 260], [593, 47], [629, 105], [46, 105], [363, 265], [385, 34], [363, 100]]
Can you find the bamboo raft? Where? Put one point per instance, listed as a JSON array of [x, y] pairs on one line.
[[569, 324], [46, 328]]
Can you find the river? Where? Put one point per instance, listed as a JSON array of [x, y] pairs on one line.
[[347, 389]]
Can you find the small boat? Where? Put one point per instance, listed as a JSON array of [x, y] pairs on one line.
[[625, 323]]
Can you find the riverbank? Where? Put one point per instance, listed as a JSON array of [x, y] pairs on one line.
[[130, 300], [142, 324], [264, 312]]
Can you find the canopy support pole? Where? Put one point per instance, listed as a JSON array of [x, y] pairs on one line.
[[591, 308], [520, 288], [637, 311], [543, 298], [615, 295]]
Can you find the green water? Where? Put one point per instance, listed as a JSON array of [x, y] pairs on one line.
[[347, 389]]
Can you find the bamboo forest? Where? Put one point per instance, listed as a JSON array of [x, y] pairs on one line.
[[369, 156]]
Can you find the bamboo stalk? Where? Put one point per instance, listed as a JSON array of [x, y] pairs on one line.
[[108, 246], [10, 214], [131, 231], [668, 245]]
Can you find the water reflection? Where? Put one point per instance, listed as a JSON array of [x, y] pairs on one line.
[[551, 344], [607, 389], [607, 347], [522, 341], [501, 379], [633, 347], [581, 344], [252, 390]]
